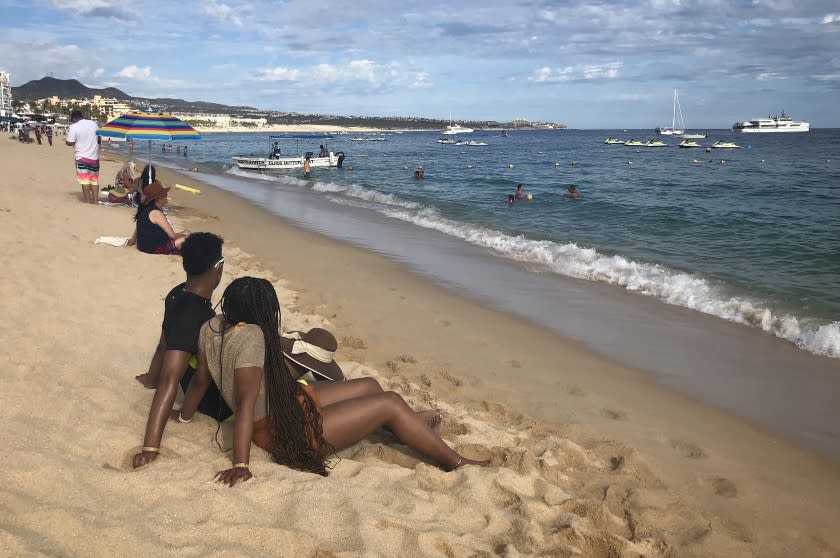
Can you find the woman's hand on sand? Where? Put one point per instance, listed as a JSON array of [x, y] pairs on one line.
[[144, 457], [233, 476]]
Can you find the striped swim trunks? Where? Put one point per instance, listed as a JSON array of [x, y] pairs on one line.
[[87, 171]]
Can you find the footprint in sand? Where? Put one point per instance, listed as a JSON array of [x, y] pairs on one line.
[[687, 449], [615, 415], [725, 487], [574, 390], [449, 378], [353, 342], [721, 486], [515, 364]]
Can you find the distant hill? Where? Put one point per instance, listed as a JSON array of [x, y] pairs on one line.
[[73, 89], [64, 88]]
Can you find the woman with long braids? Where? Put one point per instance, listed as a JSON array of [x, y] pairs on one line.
[[298, 424]]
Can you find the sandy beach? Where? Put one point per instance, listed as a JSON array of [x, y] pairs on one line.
[[589, 458]]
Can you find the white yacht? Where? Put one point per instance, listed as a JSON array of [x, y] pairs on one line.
[[776, 123], [455, 129], [673, 130]]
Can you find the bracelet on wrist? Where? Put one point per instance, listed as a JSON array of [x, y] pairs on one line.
[[181, 419], [151, 449], [241, 466]]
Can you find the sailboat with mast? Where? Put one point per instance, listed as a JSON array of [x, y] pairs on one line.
[[677, 119], [673, 130]]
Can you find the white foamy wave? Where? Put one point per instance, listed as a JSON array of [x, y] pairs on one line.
[[267, 177], [356, 191], [673, 287]]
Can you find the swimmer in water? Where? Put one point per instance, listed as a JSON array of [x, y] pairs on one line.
[[520, 192], [573, 193]]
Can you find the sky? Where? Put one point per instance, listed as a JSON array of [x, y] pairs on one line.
[[607, 64]]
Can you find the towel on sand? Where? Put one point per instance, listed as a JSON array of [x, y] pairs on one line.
[[112, 240]]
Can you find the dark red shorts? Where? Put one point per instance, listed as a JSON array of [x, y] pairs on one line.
[[167, 249]]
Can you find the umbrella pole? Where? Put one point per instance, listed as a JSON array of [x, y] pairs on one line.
[[150, 161]]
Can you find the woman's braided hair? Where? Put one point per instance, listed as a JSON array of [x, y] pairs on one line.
[[297, 432]]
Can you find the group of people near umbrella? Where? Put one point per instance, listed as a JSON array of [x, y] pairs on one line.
[[284, 393]]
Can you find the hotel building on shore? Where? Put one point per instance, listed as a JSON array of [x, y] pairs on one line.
[[109, 107], [5, 94], [220, 120]]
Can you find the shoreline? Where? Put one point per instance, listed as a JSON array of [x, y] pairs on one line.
[[640, 469], [720, 363]]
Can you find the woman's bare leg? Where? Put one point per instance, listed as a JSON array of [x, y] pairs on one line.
[[333, 392], [346, 422]]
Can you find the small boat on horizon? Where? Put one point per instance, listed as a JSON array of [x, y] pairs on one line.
[[454, 129]]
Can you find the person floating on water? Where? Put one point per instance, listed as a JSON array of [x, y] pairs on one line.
[[520, 192], [573, 193], [419, 173]]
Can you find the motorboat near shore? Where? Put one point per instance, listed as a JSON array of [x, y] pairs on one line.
[[719, 144], [275, 160], [776, 123], [614, 141], [689, 143]]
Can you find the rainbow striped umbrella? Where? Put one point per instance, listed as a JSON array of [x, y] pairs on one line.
[[148, 127], [140, 126]]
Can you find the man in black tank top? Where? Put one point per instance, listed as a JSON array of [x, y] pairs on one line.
[[187, 307]]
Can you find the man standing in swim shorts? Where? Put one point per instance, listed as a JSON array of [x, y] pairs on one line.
[[81, 136]]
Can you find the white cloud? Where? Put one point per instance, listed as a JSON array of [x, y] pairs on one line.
[[95, 8], [277, 74], [98, 72], [421, 79], [135, 72], [222, 13], [83, 6], [356, 70], [766, 76], [579, 72], [831, 18]]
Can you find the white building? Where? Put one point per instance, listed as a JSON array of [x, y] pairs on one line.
[[220, 120], [5, 94]]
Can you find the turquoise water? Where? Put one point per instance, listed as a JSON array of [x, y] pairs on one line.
[[749, 235]]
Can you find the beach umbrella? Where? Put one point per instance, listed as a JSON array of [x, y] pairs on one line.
[[141, 126]]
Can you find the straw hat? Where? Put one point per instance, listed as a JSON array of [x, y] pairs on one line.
[[314, 350], [152, 192]]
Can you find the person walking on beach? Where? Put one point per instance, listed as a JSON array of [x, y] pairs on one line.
[[81, 136], [186, 308], [49, 135], [38, 134], [306, 167], [300, 425]]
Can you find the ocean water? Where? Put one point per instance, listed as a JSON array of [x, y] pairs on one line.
[[749, 235]]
